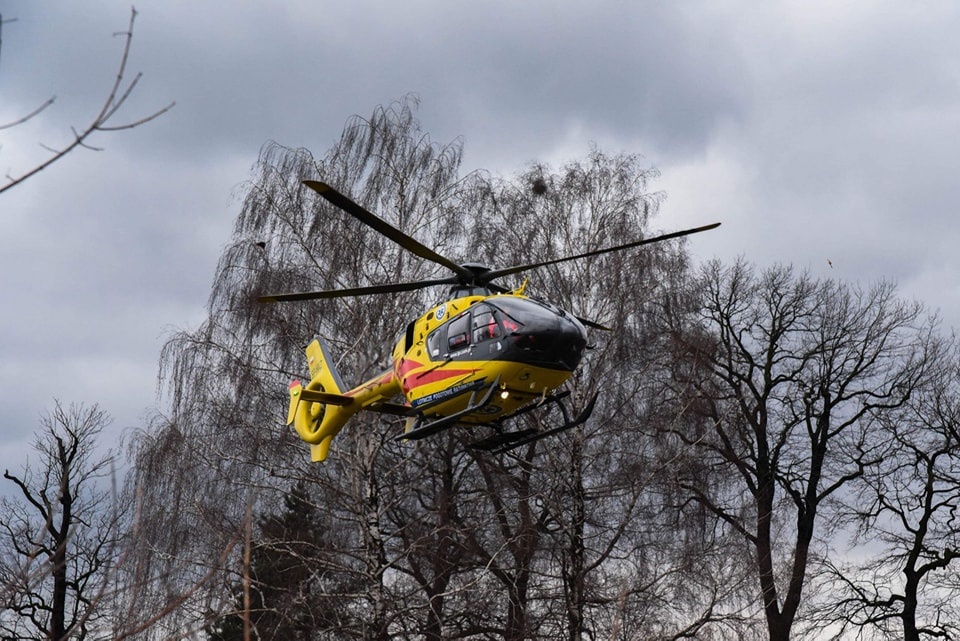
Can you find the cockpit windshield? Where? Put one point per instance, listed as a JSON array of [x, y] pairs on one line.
[[510, 328], [532, 311]]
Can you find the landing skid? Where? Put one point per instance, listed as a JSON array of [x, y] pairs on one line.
[[501, 441], [505, 441], [423, 430]]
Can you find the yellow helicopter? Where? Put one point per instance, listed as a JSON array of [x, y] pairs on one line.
[[484, 355]]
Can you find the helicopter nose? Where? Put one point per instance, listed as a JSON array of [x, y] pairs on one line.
[[558, 343], [571, 342]]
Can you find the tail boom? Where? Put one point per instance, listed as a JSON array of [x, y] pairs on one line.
[[321, 409]]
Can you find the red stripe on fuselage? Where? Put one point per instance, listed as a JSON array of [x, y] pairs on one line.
[[438, 373]]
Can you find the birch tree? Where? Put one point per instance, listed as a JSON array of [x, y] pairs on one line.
[[227, 379]]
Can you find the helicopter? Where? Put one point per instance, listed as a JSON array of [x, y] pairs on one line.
[[482, 356]]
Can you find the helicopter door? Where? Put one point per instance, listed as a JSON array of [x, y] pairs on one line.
[[450, 339], [458, 333], [487, 333], [460, 337]]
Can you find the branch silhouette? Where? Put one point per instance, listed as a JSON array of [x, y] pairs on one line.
[[102, 122]]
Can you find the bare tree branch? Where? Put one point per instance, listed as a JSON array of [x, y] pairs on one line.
[[101, 122]]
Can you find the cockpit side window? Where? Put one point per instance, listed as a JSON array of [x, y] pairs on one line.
[[485, 326], [510, 325], [505, 315], [434, 340]]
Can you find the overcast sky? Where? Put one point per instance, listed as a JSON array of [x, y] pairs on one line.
[[818, 132]]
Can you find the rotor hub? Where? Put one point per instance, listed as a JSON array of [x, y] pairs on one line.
[[479, 274]]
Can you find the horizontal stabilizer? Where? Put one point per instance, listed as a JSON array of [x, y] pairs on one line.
[[326, 398]]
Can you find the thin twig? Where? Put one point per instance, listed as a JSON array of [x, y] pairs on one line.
[[30, 115], [117, 96]]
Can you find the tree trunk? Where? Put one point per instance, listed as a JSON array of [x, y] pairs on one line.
[[574, 576], [61, 535]]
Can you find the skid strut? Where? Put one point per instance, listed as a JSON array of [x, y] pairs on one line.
[[506, 441]]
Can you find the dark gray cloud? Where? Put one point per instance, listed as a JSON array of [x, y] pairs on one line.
[[816, 132]]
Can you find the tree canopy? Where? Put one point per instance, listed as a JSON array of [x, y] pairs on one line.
[[772, 455]]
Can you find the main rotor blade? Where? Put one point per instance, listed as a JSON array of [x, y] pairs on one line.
[[497, 273], [594, 324], [355, 291], [370, 219]]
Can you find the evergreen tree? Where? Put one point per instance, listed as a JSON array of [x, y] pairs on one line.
[[292, 584]]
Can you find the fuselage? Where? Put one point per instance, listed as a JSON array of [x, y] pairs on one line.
[[525, 346]]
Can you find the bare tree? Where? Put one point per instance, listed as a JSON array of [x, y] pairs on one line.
[[607, 534], [103, 121], [793, 374], [60, 540], [905, 513]]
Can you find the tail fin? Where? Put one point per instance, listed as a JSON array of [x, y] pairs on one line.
[[319, 411]]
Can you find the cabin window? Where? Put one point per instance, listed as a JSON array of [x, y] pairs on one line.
[[458, 332], [408, 338]]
